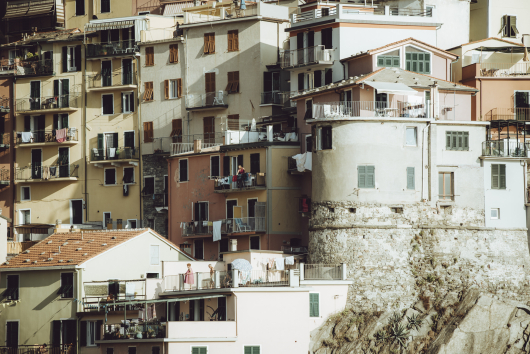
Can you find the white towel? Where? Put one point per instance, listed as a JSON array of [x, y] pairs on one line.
[[112, 152], [300, 162], [217, 230], [289, 260], [26, 137], [308, 165], [279, 264]]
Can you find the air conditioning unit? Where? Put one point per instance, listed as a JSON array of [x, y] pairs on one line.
[[72, 68]]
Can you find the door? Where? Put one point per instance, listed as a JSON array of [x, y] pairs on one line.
[[198, 249], [200, 214], [64, 162], [77, 211], [69, 332], [12, 334], [34, 100], [381, 101], [39, 126], [210, 88], [64, 97], [106, 220], [25, 216], [251, 213], [522, 105], [176, 130], [209, 129], [126, 74], [106, 73], [129, 149], [36, 164], [230, 204], [111, 144]]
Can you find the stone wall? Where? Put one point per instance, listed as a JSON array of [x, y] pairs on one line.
[[155, 165], [393, 258]]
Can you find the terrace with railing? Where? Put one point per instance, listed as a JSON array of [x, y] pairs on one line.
[[344, 110], [17, 67], [505, 148], [243, 182], [45, 173], [220, 12], [232, 226], [117, 153], [111, 81], [49, 103], [244, 132], [207, 101], [323, 272], [111, 49], [515, 113], [185, 143], [61, 136], [134, 330], [112, 293], [160, 145], [5, 140], [306, 56]]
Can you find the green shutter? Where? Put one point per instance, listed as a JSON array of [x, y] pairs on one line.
[[427, 63], [410, 178], [395, 62], [314, 305], [388, 62], [380, 61], [248, 350], [194, 350], [466, 141], [203, 350], [64, 120], [370, 177], [100, 141], [502, 176], [361, 175], [494, 176], [448, 140], [460, 141], [408, 60]]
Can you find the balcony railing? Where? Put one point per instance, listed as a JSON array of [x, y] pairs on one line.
[[4, 176], [339, 110], [159, 145], [228, 226], [18, 67], [207, 100], [305, 56], [109, 49], [36, 349], [225, 13], [71, 100], [245, 133], [310, 15], [516, 113], [323, 272], [47, 136], [505, 148], [276, 97], [396, 11], [5, 140], [184, 143], [119, 79], [50, 172], [133, 330], [119, 153], [98, 293], [243, 182], [504, 69]]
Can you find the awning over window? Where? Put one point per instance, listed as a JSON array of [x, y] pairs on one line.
[[393, 88], [109, 25], [28, 8]]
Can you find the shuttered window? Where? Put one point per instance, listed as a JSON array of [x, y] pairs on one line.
[[325, 137], [252, 349], [418, 62], [457, 141], [148, 91], [233, 82], [179, 88], [366, 176], [149, 56], [105, 6], [67, 285], [388, 61], [233, 122], [209, 43], [174, 53], [233, 41], [183, 170], [107, 102], [148, 132], [314, 305], [215, 167], [12, 291], [509, 26], [411, 181], [498, 176], [411, 136], [176, 129], [209, 82], [199, 350], [79, 7]]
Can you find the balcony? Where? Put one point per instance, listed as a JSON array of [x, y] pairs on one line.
[[225, 11], [36, 349], [111, 50], [196, 329], [35, 138], [4, 177], [243, 132], [207, 101], [31, 68], [252, 182], [5, 140], [51, 173], [357, 109], [505, 148], [317, 57], [324, 271], [5, 105], [517, 113], [245, 225], [195, 142], [114, 156], [113, 293], [158, 146], [279, 98], [506, 70], [14, 248], [49, 104], [111, 82], [135, 330]]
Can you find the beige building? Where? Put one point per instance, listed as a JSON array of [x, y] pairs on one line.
[[506, 19]]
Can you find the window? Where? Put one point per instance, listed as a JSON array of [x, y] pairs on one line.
[[411, 139], [60, 121], [183, 170], [76, 211], [429, 10], [498, 176], [388, 61], [149, 56], [419, 62], [173, 53], [457, 141], [327, 38], [199, 350], [127, 102], [107, 102], [155, 350], [128, 175], [131, 350], [411, 181], [25, 193], [509, 26], [495, 213], [110, 350], [522, 105], [12, 328], [233, 41], [173, 88], [314, 305], [105, 6], [271, 81], [12, 292], [301, 78], [25, 216], [328, 77], [366, 176], [445, 185], [253, 349], [132, 224], [152, 275], [215, 168], [308, 109], [149, 186], [63, 331], [155, 255], [90, 333], [67, 286], [325, 138], [126, 72], [254, 163], [110, 176], [107, 218], [148, 132], [254, 243], [209, 43], [233, 121], [61, 89], [221, 307], [148, 91], [198, 245], [71, 58], [233, 82], [79, 7]]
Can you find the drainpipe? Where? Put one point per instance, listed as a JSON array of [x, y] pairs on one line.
[[83, 124], [187, 86], [343, 71], [13, 157], [138, 115], [480, 80], [452, 71]]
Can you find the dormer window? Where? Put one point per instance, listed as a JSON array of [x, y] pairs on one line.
[[418, 60], [389, 60]]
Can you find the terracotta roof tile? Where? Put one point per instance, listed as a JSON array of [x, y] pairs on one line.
[[75, 248]]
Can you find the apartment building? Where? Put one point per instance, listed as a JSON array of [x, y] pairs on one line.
[[7, 190], [501, 19]]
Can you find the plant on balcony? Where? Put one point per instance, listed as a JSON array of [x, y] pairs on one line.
[[32, 57]]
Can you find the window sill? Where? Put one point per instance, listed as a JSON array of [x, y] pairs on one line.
[[170, 63], [107, 115], [183, 181], [173, 98], [130, 184], [25, 200], [110, 185]]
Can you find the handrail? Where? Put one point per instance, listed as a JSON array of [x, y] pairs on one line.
[[70, 100], [45, 172], [305, 56], [117, 153], [46, 136], [339, 110]]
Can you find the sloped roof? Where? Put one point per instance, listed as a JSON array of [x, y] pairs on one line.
[[75, 248], [409, 78], [52, 36], [487, 39]]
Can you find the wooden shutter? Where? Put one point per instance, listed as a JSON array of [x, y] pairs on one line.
[[209, 82], [513, 26], [370, 177], [166, 89], [411, 183], [254, 163], [176, 127], [206, 51], [173, 53], [427, 64], [233, 122], [448, 137], [230, 81], [148, 91], [235, 79], [100, 141], [226, 166], [300, 81], [466, 141], [179, 88], [230, 41], [148, 132], [212, 43], [314, 305], [149, 56], [495, 176], [235, 40], [56, 333], [99, 324], [502, 176], [361, 176], [65, 59]]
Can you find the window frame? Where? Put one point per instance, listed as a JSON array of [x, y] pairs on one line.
[[84, 8], [412, 185], [250, 241], [105, 177], [173, 58], [187, 171], [149, 92], [123, 176], [233, 84], [70, 55], [104, 221], [18, 287], [149, 56], [424, 52], [219, 166], [131, 101], [103, 106], [507, 26], [71, 211], [499, 185], [366, 173], [442, 197], [151, 247], [73, 286], [101, 7], [392, 58], [319, 309], [320, 136], [22, 199], [233, 44], [90, 323], [202, 346], [415, 129], [498, 217], [208, 48], [455, 135], [174, 89], [252, 346], [154, 185], [18, 331]]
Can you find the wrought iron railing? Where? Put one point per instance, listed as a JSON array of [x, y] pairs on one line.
[[338, 110], [132, 330], [516, 113], [118, 153], [71, 100], [242, 181], [40, 349], [505, 148], [111, 49], [4, 175], [228, 226], [104, 80], [305, 56], [18, 67], [47, 136], [322, 271], [207, 100], [46, 172]]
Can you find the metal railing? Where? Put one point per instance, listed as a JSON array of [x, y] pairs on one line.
[[508, 114], [228, 226], [322, 271], [397, 11], [207, 100], [505, 148], [118, 79], [133, 330], [36, 349], [264, 278], [159, 145], [504, 69], [127, 47], [5, 103], [225, 13], [246, 136], [5, 139], [275, 97], [4, 175], [47, 172], [243, 181], [119, 153], [98, 293], [198, 281], [184, 143], [310, 15], [338, 110], [305, 56], [71, 100], [18, 67], [46, 136]]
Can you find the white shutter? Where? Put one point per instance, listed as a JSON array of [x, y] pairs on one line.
[[155, 256]]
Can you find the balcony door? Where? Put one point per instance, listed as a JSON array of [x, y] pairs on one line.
[[311, 46], [128, 142], [230, 204], [106, 73], [209, 130], [251, 213], [64, 162], [209, 85], [127, 72], [200, 214], [34, 95], [61, 90], [300, 48], [111, 145], [76, 211], [522, 105], [36, 125], [36, 164], [12, 335]]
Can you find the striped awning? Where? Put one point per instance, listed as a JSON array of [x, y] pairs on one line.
[[176, 8], [109, 25], [28, 8]]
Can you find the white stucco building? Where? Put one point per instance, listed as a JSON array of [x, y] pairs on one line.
[[506, 19]]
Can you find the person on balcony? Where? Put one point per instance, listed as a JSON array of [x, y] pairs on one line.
[[240, 176], [188, 276]]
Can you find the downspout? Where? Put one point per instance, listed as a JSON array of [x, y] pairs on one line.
[[452, 71], [235, 310], [187, 86], [83, 123], [480, 80], [138, 115], [79, 297], [12, 162], [343, 71]]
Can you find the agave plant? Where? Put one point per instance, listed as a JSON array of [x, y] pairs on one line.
[[381, 336], [415, 322], [395, 318], [399, 333]]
